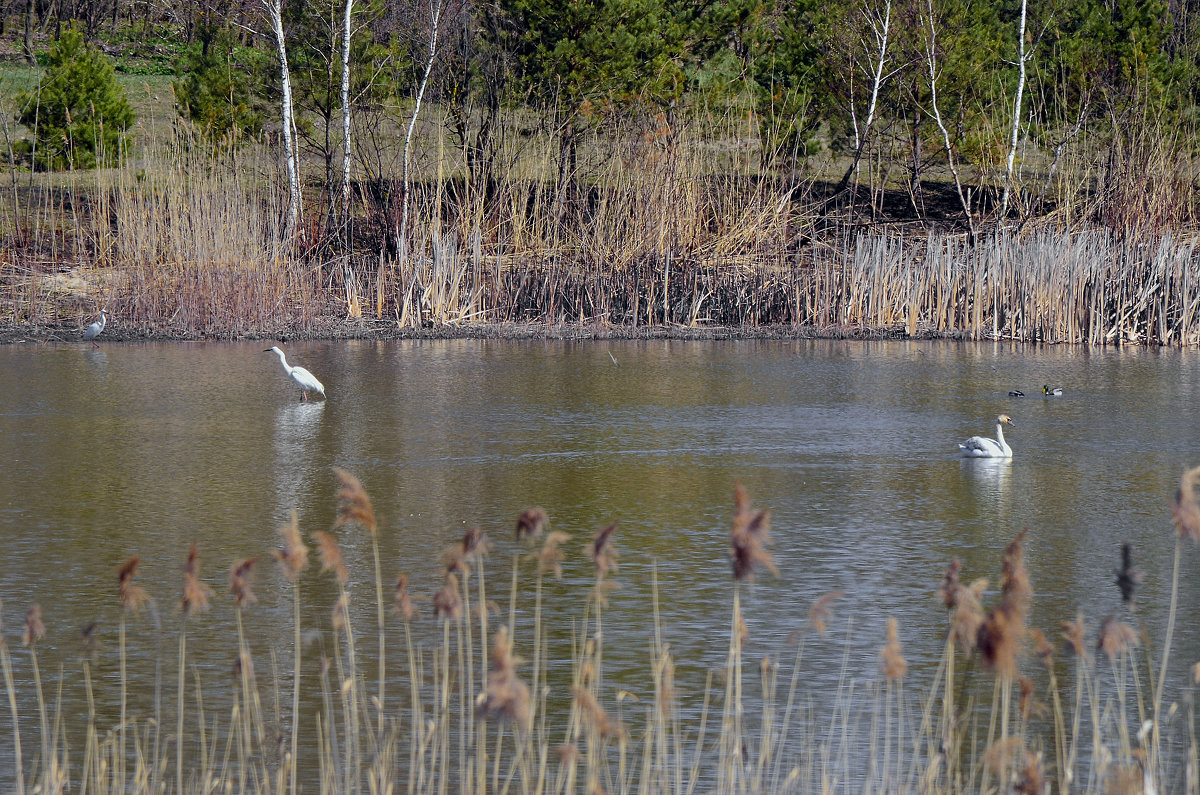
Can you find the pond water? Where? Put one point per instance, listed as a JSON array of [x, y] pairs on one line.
[[144, 448]]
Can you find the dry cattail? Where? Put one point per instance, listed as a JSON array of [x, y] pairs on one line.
[[602, 552], [133, 597], [195, 591], [551, 556], [1115, 637], [35, 628], [532, 523], [748, 537], [822, 611], [402, 600], [293, 555], [447, 604], [506, 697], [88, 636], [239, 581], [967, 617], [340, 609], [891, 657], [1002, 630], [475, 544], [1073, 634], [1128, 577], [596, 716], [1009, 760], [354, 506]]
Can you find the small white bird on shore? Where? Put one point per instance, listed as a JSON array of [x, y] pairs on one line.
[[303, 378], [93, 330], [983, 447]]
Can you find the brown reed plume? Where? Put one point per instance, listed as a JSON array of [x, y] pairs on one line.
[[750, 533], [447, 604], [35, 628], [195, 591], [596, 717], [1073, 633], [506, 697], [891, 657], [330, 554], [532, 523], [1008, 757], [402, 599], [1185, 510], [354, 506], [1128, 577], [602, 552], [133, 597], [551, 556], [822, 611], [965, 602], [239, 581], [1003, 628], [293, 555], [1043, 648], [1115, 637]]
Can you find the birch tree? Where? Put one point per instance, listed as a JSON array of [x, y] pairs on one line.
[[347, 150], [1022, 58], [402, 224], [875, 48], [933, 70], [274, 11]]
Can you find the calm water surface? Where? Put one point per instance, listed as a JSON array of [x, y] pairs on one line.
[[143, 448]]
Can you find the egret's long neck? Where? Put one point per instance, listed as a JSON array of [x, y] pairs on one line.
[[283, 360]]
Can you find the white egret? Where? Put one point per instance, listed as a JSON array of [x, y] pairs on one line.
[[306, 380], [1055, 392], [93, 331], [983, 447]]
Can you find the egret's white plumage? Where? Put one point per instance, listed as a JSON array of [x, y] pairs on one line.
[[1055, 391], [93, 330], [983, 447], [306, 380]]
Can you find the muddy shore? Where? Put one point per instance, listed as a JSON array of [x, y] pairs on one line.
[[27, 333]]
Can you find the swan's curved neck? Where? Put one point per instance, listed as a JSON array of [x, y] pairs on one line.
[[1000, 435]]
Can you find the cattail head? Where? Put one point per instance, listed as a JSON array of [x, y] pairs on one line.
[[341, 609], [1016, 591], [88, 636], [447, 603], [891, 657], [950, 584], [532, 523], [35, 628], [1000, 635], [750, 533], [354, 506], [1128, 577], [195, 591], [1043, 648], [293, 555], [402, 600], [602, 552], [551, 557], [239, 581], [133, 597], [1009, 761], [506, 697], [331, 556], [1115, 637], [967, 616], [475, 543]]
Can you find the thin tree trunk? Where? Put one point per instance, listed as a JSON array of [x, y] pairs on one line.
[[1016, 121], [412, 123], [29, 54], [931, 62], [274, 9], [346, 147], [881, 29]]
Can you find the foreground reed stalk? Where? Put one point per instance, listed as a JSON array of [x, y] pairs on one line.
[[582, 726]]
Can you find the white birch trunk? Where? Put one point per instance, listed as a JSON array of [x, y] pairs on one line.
[[881, 28], [1016, 121], [931, 62], [274, 9], [346, 149], [433, 40]]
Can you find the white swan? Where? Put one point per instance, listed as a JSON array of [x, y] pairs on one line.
[[302, 377], [983, 447]]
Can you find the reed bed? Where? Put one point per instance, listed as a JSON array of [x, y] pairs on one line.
[[478, 704], [657, 226]]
